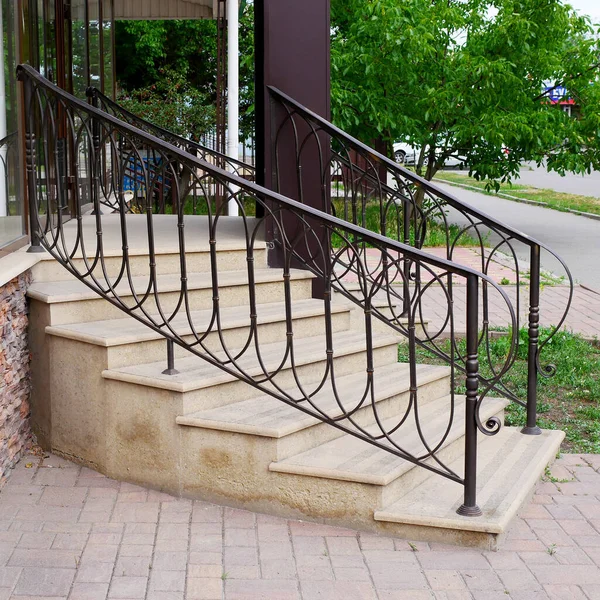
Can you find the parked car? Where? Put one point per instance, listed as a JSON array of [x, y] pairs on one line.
[[405, 154]]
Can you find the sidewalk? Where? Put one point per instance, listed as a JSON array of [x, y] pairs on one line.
[[583, 317], [67, 532]]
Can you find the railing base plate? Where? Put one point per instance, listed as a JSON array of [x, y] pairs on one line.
[[469, 511], [170, 372], [35, 249], [531, 430]]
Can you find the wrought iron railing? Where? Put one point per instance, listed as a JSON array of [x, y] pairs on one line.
[[240, 168], [68, 143], [368, 189]]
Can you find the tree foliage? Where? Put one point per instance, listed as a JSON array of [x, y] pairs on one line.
[[173, 104], [151, 56], [465, 78]]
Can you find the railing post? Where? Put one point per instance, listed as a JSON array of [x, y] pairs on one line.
[[95, 163], [406, 209], [531, 427], [469, 507], [170, 370], [30, 167]]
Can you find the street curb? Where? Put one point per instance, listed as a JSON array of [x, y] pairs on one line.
[[589, 289], [521, 200]]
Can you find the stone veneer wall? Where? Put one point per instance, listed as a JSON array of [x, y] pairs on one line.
[[15, 433]]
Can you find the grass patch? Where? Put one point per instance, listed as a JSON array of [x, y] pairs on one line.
[[569, 401], [435, 234], [556, 200]]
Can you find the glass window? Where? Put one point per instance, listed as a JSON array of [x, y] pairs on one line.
[[107, 48], [11, 210], [79, 50]]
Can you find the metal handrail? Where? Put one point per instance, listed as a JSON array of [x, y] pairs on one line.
[[357, 162], [328, 247]]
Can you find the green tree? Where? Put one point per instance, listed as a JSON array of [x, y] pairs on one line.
[[173, 104], [152, 55], [465, 78]]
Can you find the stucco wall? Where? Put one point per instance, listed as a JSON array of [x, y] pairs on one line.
[[15, 433]]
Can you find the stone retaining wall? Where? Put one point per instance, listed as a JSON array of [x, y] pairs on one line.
[[15, 433]]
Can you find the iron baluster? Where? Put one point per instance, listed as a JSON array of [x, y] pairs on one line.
[[31, 168], [469, 507], [531, 428], [170, 370], [406, 215]]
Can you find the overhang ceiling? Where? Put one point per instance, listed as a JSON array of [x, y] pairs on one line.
[[165, 9]]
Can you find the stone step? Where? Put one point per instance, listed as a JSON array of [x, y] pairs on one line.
[[353, 460], [296, 431], [231, 247], [509, 465], [74, 302], [129, 342], [272, 367]]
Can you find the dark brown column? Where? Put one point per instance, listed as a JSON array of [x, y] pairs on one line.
[[292, 54]]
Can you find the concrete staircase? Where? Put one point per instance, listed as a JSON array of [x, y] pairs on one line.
[[100, 397]]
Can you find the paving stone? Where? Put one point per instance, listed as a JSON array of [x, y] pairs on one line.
[[52, 581], [68, 514], [60, 496], [171, 545], [240, 537], [95, 572], [453, 560], [41, 541], [566, 574], [408, 578], [167, 581], [342, 546], [67, 528], [156, 595], [136, 550], [504, 560], [89, 591], [70, 541], [351, 574], [65, 559], [338, 590], [9, 576], [375, 542], [278, 568], [453, 595], [214, 543], [130, 588], [280, 550], [135, 512], [551, 553], [482, 579], [57, 477], [564, 592], [100, 553], [132, 566], [205, 571], [207, 589], [170, 561], [519, 580], [445, 580]]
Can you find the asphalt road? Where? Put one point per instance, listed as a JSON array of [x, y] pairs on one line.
[[576, 239], [584, 185]]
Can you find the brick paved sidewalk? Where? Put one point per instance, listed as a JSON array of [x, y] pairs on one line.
[[68, 532], [583, 317]]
